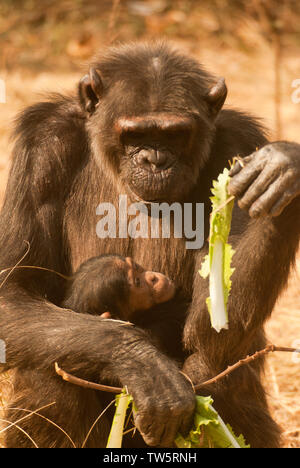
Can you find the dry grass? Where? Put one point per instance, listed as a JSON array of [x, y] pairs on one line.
[[249, 78]]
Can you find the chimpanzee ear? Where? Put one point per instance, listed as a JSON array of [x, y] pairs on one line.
[[90, 90], [216, 96]]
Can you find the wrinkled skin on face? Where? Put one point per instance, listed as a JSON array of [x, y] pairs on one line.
[[156, 153], [148, 138], [151, 152], [269, 179]]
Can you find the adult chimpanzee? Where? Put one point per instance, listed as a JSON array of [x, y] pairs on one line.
[[148, 123]]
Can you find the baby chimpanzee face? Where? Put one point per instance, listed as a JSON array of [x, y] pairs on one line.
[[145, 288]]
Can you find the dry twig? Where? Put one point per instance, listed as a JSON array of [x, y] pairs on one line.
[[85, 383], [106, 388], [269, 349]]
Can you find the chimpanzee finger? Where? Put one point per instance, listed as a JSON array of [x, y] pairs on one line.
[[235, 169], [150, 426], [169, 434], [238, 165], [176, 424], [258, 187], [269, 198], [167, 428], [240, 182], [283, 201]]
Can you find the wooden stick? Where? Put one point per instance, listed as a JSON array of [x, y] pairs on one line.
[[269, 349], [85, 383], [106, 388]]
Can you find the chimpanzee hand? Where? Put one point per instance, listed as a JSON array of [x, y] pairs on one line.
[[269, 180], [165, 404]]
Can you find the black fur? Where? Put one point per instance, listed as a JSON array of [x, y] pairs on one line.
[[98, 286]]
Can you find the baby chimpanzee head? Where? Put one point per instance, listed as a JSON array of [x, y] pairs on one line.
[[115, 286]]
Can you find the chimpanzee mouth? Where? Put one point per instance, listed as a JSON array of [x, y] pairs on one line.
[[138, 199], [153, 189]]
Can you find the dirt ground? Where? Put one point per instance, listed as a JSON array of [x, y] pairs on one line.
[[249, 78]]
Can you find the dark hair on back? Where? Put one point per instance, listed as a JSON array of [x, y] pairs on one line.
[[99, 285]]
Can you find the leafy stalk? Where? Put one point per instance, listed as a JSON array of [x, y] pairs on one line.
[[209, 430], [217, 264], [227, 432], [116, 432]]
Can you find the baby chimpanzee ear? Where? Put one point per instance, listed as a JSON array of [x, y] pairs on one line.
[[90, 90]]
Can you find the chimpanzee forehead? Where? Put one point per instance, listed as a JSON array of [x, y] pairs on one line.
[[156, 61], [140, 97], [156, 79], [144, 99]]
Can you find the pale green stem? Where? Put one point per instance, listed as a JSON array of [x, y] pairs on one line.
[[216, 288], [116, 432], [227, 432]]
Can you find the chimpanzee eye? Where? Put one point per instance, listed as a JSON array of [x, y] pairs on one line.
[[137, 282]]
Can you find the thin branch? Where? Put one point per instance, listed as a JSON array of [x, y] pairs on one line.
[[85, 383], [269, 349], [129, 430], [106, 388]]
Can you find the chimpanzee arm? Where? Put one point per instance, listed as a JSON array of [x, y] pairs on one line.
[[51, 147], [265, 249], [38, 334], [269, 187]]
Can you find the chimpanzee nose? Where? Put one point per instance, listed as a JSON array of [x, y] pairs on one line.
[[153, 159]]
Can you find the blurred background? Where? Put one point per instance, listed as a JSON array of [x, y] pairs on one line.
[[254, 44]]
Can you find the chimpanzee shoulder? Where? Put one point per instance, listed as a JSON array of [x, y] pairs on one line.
[[239, 133], [51, 144]]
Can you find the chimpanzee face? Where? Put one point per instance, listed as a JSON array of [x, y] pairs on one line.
[[156, 164], [147, 288], [151, 123]]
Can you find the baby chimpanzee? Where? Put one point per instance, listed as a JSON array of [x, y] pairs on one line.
[[116, 287]]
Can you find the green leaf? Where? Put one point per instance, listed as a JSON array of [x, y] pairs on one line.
[[209, 430], [217, 264], [240, 439], [205, 267]]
